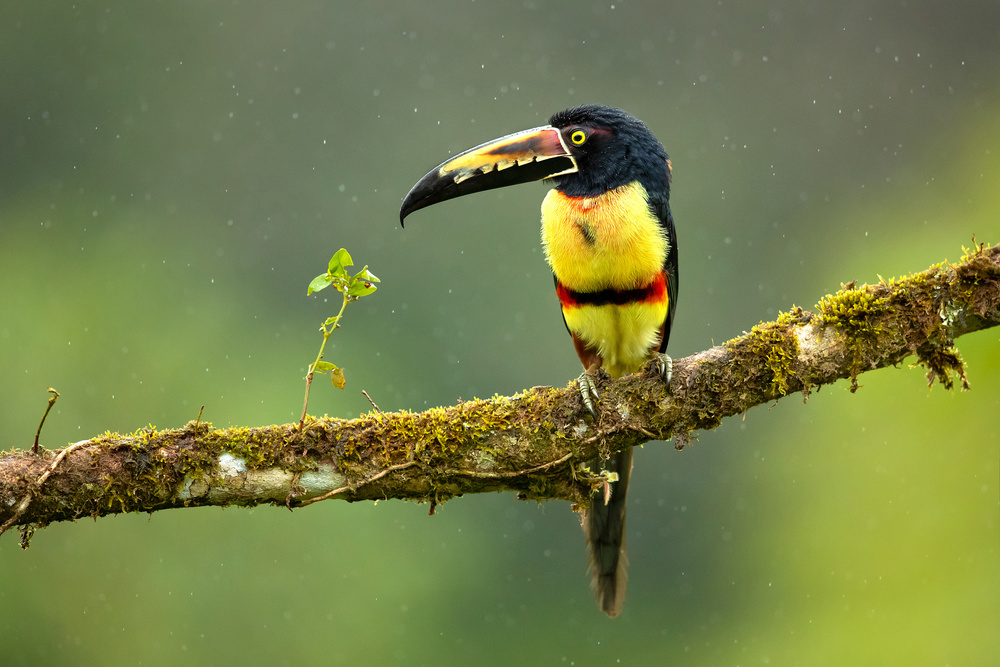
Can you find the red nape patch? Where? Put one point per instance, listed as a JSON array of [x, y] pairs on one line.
[[654, 291]]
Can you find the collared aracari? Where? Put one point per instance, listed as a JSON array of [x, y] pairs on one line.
[[609, 237]]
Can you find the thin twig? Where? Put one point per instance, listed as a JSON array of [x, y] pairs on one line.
[[371, 401], [514, 473], [352, 487], [334, 323], [38, 433], [197, 422]]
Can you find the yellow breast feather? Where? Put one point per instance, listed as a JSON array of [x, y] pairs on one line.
[[622, 335], [610, 241]]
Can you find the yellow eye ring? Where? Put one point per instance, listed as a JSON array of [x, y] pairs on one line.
[[578, 137]]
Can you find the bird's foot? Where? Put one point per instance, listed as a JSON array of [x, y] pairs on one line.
[[588, 391], [664, 365]]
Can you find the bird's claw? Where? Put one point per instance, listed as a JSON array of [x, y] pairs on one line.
[[588, 391], [665, 365]]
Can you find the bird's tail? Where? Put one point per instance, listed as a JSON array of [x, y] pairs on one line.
[[604, 527]]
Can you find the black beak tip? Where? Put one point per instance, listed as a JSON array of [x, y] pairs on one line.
[[423, 194], [408, 206]]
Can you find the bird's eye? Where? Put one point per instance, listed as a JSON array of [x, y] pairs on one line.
[[578, 137]]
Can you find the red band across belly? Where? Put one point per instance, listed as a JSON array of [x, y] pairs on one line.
[[653, 292]]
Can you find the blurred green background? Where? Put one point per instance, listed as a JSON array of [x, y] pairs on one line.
[[172, 175]]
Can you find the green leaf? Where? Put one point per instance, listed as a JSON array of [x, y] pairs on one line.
[[318, 283], [339, 263], [361, 288], [337, 377], [323, 366], [366, 275]]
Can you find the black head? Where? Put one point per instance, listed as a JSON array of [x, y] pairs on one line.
[[611, 149]]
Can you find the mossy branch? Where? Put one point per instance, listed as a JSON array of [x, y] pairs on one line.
[[532, 443]]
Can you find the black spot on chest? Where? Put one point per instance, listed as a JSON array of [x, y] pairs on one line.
[[586, 232]]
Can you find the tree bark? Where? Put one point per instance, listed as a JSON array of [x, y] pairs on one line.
[[533, 443]]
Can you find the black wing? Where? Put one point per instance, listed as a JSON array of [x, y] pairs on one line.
[[661, 208]]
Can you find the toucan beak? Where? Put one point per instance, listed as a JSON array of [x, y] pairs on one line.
[[521, 157]]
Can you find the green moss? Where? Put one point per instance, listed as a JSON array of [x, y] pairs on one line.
[[974, 271], [772, 347], [781, 349], [852, 308], [942, 363], [436, 432], [256, 449], [856, 311]]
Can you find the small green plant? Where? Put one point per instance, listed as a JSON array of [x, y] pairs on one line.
[[352, 288]]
